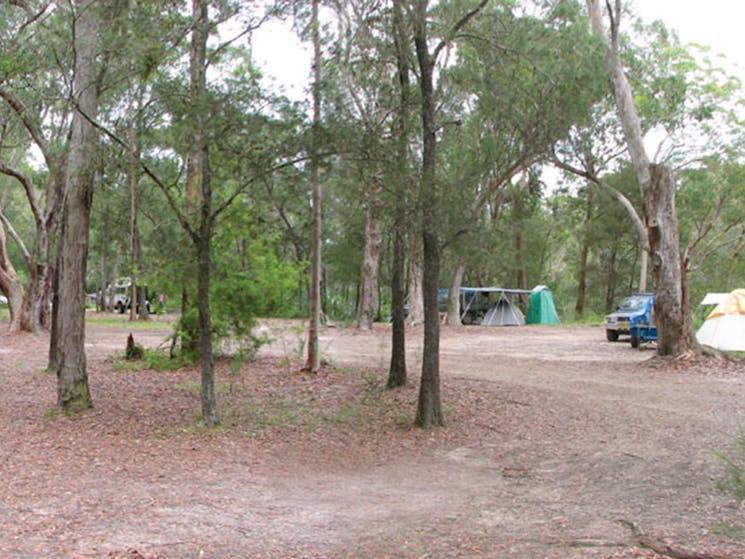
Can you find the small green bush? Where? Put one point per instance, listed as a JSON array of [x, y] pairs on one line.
[[153, 360], [734, 476]]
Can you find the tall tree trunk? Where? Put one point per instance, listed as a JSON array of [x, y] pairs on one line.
[[134, 239], [454, 310], [397, 370], [521, 255], [35, 316], [579, 308], [658, 196], [73, 394], [313, 363], [612, 280], [667, 271], [371, 255], [209, 398], [201, 208], [429, 409]]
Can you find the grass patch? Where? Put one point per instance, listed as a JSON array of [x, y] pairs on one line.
[[346, 413], [53, 413], [196, 387], [339, 401], [152, 360], [589, 319], [730, 531], [124, 322], [282, 415]]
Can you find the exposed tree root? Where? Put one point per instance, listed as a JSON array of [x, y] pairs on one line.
[[648, 542]]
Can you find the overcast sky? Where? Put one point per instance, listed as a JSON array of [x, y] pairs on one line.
[[715, 23]]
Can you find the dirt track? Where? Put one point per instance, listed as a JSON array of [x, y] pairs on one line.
[[568, 434], [597, 436]]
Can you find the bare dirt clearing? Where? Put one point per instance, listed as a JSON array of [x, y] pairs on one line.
[[554, 436]]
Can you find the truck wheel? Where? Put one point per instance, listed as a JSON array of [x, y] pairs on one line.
[[120, 308], [611, 335], [634, 341]]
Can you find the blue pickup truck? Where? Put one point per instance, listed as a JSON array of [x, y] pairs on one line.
[[617, 322], [641, 324]]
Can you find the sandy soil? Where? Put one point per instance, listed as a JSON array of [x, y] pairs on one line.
[[557, 443]]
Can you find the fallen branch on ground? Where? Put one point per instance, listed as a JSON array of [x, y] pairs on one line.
[[648, 542]]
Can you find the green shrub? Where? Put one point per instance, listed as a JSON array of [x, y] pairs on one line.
[[734, 477]]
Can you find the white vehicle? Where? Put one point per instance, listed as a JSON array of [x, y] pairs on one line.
[[118, 298]]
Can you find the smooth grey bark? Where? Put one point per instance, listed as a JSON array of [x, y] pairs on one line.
[[73, 393], [657, 184], [416, 296], [10, 284]]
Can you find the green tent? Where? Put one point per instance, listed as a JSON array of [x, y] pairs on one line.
[[542, 309]]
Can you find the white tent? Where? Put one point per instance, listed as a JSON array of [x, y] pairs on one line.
[[503, 313], [713, 298], [724, 328]]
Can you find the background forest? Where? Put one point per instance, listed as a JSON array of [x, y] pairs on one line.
[[199, 155]]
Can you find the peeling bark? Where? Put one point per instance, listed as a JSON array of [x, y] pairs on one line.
[[657, 186], [370, 256], [416, 298]]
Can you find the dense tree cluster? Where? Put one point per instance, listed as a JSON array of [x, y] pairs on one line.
[[460, 142]]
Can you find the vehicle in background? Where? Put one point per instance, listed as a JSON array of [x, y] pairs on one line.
[[641, 324], [118, 296], [617, 322]]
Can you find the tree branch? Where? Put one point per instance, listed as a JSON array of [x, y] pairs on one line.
[[457, 27], [33, 129], [641, 230], [27, 186], [16, 238], [183, 221], [242, 188]]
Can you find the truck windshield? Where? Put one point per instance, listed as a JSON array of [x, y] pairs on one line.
[[633, 302]]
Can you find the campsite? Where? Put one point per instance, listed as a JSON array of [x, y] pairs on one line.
[[365, 314], [554, 439]]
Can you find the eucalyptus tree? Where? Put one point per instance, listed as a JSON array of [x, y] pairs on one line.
[[523, 84], [656, 181], [429, 408], [224, 156], [313, 359], [365, 72], [712, 215], [397, 373], [69, 363], [658, 194], [27, 82]]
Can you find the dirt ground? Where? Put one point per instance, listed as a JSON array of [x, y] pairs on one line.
[[558, 445]]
